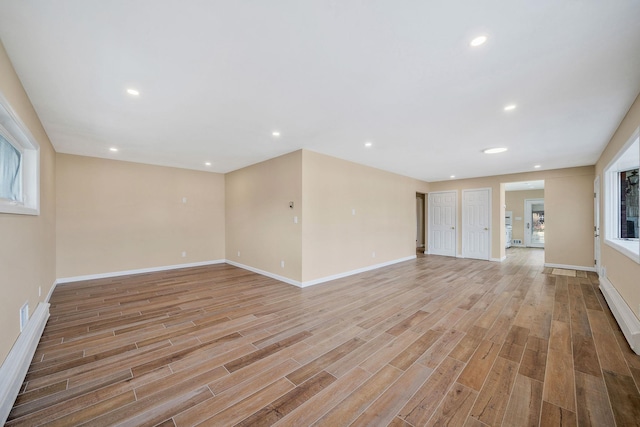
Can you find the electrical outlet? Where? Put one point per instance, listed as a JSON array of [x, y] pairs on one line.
[[238, 253], [373, 254], [184, 200], [184, 254], [282, 264], [24, 315], [295, 219], [353, 211], [39, 291]]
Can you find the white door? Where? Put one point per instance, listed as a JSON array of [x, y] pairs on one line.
[[476, 220], [534, 223], [442, 223], [596, 223]]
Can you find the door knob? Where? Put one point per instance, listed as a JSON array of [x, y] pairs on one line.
[[486, 228], [453, 228]]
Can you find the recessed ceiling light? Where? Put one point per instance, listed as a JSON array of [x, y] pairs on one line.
[[207, 163], [275, 133], [536, 166], [368, 144], [494, 150], [452, 176], [133, 92], [114, 149], [480, 40], [510, 107]]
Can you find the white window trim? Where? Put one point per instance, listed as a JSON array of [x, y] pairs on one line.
[[628, 247], [18, 135]]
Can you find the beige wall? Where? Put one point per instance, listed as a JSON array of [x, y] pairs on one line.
[[335, 240], [514, 200], [568, 219], [118, 216], [568, 212], [260, 225], [27, 255], [622, 271]]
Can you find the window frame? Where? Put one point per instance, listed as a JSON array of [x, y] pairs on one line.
[[18, 135], [628, 247]]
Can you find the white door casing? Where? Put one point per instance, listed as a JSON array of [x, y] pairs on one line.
[[596, 223], [476, 223], [442, 223]]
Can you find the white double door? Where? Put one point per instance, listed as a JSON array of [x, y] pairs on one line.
[[442, 223], [476, 221]]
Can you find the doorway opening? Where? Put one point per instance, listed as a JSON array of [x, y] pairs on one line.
[[534, 223], [524, 227], [420, 219]]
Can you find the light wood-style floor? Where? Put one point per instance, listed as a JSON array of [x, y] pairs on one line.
[[436, 341]]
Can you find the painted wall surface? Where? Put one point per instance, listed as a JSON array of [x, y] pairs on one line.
[[569, 212], [515, 203], [568, 219], [622, 271], [27, 253], [118, 216], [354, 216], [259, 222]]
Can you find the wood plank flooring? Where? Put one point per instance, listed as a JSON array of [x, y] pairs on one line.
[[436, 341]]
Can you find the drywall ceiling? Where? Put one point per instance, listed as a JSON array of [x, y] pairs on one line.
[[216, 78], [524, 185]]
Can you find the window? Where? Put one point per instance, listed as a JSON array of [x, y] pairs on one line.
[[628, 204], [19, 165], [10, 171], [622, 204]]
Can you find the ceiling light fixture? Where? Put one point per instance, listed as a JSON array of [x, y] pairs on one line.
[[114, 149], [510, 107], [207, 163], [275, 133], [368, 144], [452, 176], [133, 92], [494, 150], [536, 166], [480, 40]]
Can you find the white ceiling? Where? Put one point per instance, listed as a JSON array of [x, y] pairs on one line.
[[524, 185], [217, 77]]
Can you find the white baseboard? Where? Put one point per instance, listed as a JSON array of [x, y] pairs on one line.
[[265, 273], [322, 279], [53, 288], [627, 320], [498, 259], [570, 267], [138, 271], [356, 271], [16, 365]]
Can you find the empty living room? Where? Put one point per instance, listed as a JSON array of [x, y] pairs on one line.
[[319, 213]]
